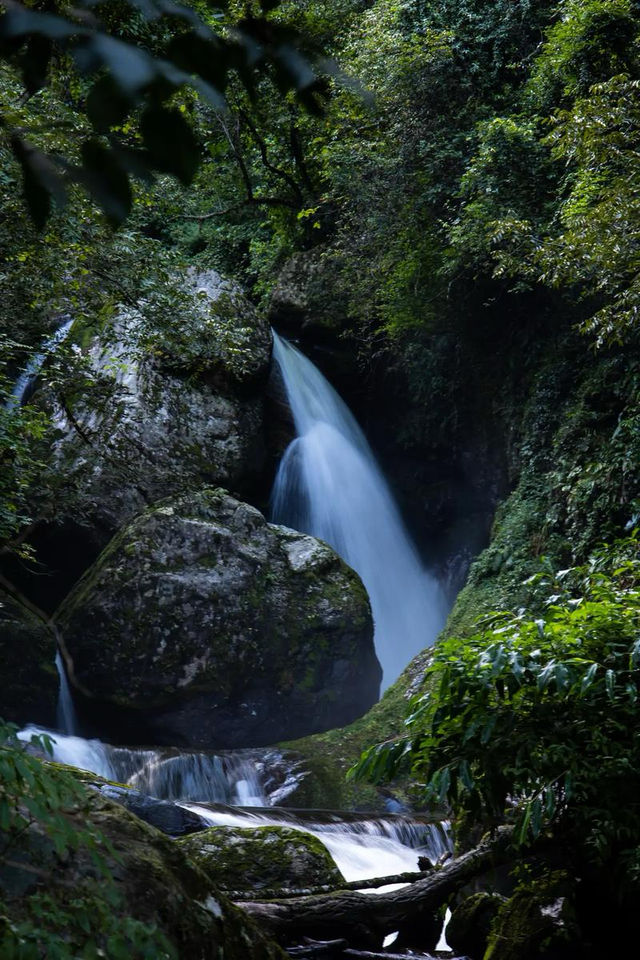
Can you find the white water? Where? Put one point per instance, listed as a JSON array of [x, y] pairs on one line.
[[34, 366], [361, 849], [330, 485], [65, 712], [232, 778]]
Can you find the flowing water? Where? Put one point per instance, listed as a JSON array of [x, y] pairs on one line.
[[32, 369], [65, 711], [362, 848], [330, 485], [235, 778]]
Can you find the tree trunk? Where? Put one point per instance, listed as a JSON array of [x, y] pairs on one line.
[[364, 920]]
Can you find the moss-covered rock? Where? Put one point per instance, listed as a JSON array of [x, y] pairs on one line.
[[537, 923], [262, 858], [470, 924], [221, 630], [154, 883], [324, 758], [28, 679]]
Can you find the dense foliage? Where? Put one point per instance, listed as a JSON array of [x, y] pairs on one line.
[[535, 718], [125, 62]]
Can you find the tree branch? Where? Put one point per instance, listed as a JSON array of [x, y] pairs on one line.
[[365, 920]]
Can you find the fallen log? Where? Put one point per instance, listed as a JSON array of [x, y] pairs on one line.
[[284, 894], [319, 949], [364, 920]]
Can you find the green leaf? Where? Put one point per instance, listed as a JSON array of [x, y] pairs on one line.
[[106, 180], [41, 181], [588, 678], [610, 680], [171, 142]]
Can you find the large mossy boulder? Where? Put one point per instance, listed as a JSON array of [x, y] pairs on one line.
[[262, 858], [141, 877], [28, 678], [218, 629]]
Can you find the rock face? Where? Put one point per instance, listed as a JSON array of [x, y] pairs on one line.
[[220, 630], [174, 405], [167, 397], [262, 858], [157, 885], [28, 678], [470, 924], [538, 923]]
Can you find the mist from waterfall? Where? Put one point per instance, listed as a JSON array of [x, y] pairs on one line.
[[330, 485]]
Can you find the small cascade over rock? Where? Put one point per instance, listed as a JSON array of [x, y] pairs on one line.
[[28, 376], [330, 485], [362, 848], [235, 778]]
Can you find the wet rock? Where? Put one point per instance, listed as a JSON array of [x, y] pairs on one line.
[[221, 630], [28, 678], [155, 884], [537, 923], [262, 858], [301, 302], [168, 817]]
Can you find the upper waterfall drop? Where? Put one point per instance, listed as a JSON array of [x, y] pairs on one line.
[[330, 485]]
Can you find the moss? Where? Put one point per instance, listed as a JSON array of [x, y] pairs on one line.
[[470, 924], [156, 884], [537, 922], [328, 756], [261, 858]]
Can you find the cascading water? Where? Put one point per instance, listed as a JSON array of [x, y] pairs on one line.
[[232, 778], [65, 711], [362, 849], [32, 369], [330, 485]]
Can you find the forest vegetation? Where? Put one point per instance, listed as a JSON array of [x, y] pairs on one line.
[[451, 188]]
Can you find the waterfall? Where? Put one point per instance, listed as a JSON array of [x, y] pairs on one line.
[[234, 778], [362, 849], [33, 367], [65, 712], [330, 485]]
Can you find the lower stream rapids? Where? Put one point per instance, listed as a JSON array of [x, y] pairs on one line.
[[246, 789]]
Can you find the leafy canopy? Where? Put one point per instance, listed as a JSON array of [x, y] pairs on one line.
[[127, 61]]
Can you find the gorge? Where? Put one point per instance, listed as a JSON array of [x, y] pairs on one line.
[[287, 618]]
